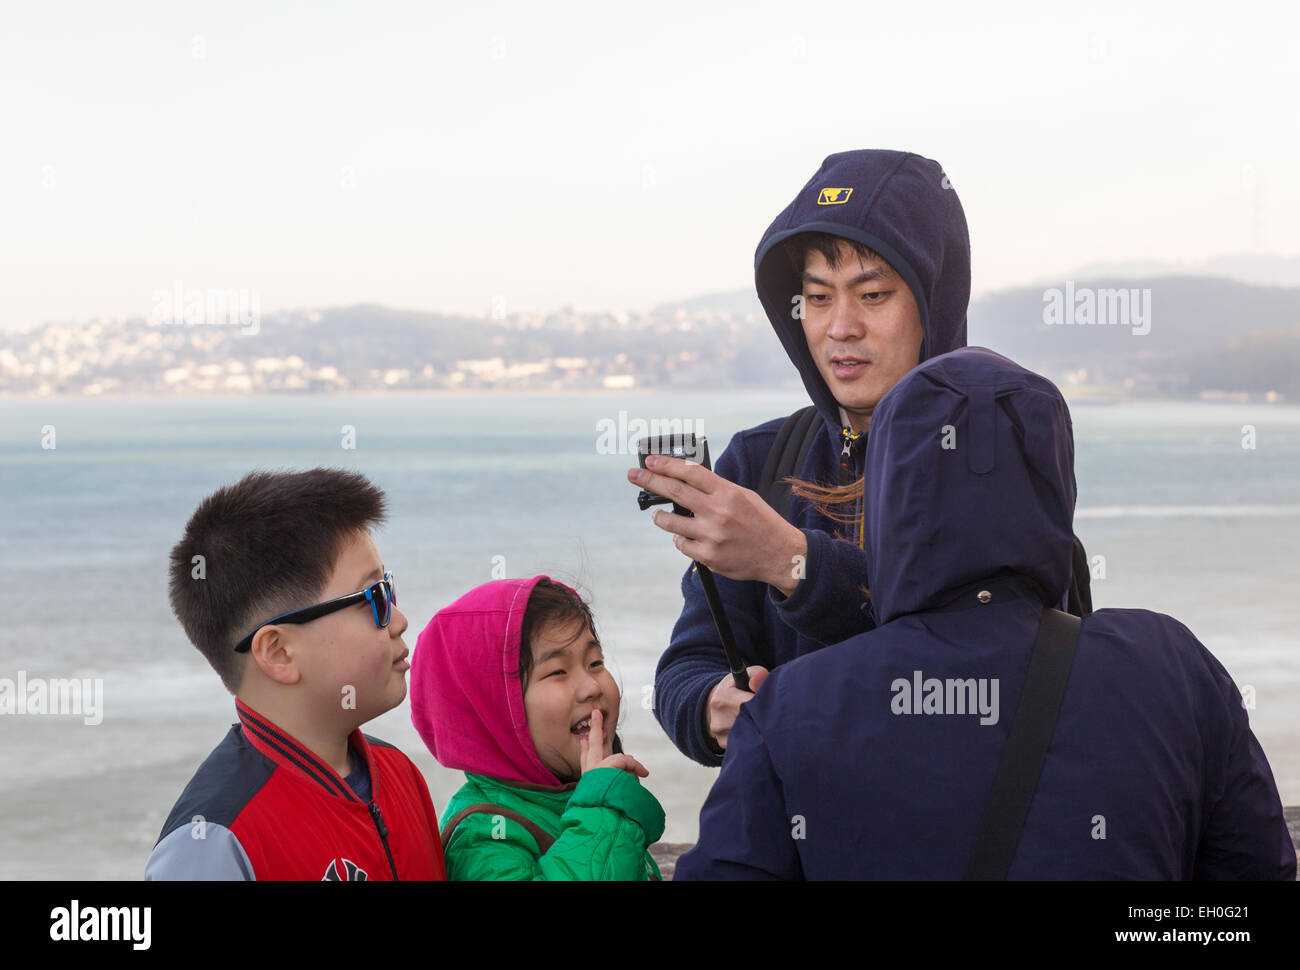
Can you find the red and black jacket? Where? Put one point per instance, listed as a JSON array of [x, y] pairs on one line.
[[262, 806]]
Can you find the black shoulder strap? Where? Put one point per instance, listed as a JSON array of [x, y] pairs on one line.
[[787, 455], [1022, 759], [543, 838]]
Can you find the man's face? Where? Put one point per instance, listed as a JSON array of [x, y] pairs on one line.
[[349, 666], [862, 326], [568, 681]]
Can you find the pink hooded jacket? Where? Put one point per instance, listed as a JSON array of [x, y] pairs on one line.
[[467, 702]]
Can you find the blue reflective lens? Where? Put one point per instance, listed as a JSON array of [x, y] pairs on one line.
[[382, 596]]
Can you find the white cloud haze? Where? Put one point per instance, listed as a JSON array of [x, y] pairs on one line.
[[427, 157]]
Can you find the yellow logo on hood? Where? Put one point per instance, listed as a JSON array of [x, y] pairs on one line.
[[834, 196]]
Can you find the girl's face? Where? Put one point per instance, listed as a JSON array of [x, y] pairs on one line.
[[568, 681]]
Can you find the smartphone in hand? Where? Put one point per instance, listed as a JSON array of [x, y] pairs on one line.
[[691, 446]]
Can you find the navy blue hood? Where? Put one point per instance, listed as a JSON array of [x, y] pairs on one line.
[[1152, 734], [903, 207], [970, 465]]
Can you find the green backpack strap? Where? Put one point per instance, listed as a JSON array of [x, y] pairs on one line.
[[543, 838]]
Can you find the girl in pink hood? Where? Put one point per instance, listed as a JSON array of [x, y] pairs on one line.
[[509, 684]]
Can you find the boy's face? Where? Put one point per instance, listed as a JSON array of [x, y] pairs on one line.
[[863, 328], [568, 681], [352, 671]]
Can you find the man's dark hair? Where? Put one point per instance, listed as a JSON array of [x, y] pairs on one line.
[[547, 603], [269, 544], [797, 247]]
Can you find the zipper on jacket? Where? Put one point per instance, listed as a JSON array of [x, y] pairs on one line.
[[848, 464], [383, 835], [849, 471]]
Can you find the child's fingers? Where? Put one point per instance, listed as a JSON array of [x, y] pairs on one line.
[[634, 766], [583, 756], [598, 730]]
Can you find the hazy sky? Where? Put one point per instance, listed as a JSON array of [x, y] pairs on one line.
[[428, 157]]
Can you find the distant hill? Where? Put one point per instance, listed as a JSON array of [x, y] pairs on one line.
[[738, 303], [1263, 269], [1202, 334], [1205, 332]]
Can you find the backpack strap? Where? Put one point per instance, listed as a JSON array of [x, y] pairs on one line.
[[786, 457], [543, 838], [1026, 750]]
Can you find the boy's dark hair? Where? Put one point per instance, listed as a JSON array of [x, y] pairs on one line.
[[550, 602], [269, 543], [797, 246]]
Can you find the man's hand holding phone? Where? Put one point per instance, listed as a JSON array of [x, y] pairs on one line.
[[727, 529], [733, 531]]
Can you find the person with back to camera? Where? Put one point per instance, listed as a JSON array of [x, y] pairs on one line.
[[876, 758]]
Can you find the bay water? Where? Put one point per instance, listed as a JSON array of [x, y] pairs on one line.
[[1188, 508]]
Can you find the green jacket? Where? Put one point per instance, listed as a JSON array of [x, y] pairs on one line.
[[602, 825]]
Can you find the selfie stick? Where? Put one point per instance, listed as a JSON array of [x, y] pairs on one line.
[[738, 671], [737, 665], [695, 448]]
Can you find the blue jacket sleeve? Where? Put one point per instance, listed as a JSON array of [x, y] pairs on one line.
[[694, 662], [1243, 832], [209, 853], [828, 604], [744, 830]]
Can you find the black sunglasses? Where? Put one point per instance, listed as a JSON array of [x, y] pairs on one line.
[[381, 596]]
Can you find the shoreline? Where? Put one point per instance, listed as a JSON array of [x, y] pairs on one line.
[[1212, 398]]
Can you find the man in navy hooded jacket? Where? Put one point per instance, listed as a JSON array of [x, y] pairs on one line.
[[863, 760], [852, 325]]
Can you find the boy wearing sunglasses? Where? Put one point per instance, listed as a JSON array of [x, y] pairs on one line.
[[279, 585]]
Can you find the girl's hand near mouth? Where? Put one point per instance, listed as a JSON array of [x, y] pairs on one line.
[[593, 755]]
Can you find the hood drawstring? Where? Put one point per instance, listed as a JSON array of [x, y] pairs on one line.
[[848, 470]]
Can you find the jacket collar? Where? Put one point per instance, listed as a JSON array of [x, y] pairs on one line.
[[287, 752], [526, 786]]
